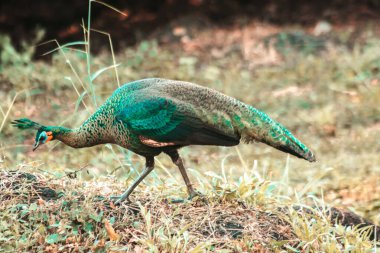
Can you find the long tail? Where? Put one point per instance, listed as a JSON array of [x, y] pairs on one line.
[[255, 125]]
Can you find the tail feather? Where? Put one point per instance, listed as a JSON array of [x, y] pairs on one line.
[[260, 127], [295, 146]]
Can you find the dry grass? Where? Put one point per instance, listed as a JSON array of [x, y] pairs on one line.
[[48, 214], [59, 215]]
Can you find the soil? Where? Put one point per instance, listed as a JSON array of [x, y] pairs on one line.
[[231, 220]]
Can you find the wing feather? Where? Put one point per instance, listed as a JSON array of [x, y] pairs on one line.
[[163, 120]]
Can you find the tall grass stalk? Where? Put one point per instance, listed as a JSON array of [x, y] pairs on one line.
[[88, 48], [88, 55], [5, 115], [112, 53]]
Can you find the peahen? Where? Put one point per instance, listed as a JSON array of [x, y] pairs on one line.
[[155, 115]]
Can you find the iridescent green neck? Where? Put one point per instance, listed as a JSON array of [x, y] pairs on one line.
[[76, 138]]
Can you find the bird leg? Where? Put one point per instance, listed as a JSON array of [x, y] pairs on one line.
[[149, 166], [177, 160]]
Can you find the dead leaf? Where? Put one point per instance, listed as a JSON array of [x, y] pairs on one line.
[[99, 245], [179, 31], [138, 249], [70, 240], [110, 231], [41, 202], [329, 129], [51, 248], [41, 240], [292, 91]]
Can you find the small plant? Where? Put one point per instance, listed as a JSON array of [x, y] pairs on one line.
[[292, 42], [9, 55]]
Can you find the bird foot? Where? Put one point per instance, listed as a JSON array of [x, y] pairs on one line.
[[119, 199], [176, 201], [194, 195]]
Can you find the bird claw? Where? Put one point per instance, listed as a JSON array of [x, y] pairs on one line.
[[193, 196], [119, 199], [177, 201]]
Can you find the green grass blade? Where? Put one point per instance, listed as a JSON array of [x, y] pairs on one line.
[[80, 100], [100, 71], [111, 7], [112, 53], [88, 55], [67, 45], [9, 109]]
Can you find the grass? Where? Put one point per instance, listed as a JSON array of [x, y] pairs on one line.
[[329, 100]]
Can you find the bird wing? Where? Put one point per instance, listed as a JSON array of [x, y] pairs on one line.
[[163, 120]]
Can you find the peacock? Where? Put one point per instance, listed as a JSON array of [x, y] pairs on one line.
[[155, 115]]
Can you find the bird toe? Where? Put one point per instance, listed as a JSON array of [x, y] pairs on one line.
[[119, 199]]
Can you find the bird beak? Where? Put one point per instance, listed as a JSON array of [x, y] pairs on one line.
[[36, 144]]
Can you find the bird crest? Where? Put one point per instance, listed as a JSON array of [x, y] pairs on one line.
[[25, 124]]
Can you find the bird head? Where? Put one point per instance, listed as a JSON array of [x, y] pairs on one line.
[[44, 134], [42, 137]]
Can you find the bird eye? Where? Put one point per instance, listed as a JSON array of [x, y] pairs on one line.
[[43, 137]]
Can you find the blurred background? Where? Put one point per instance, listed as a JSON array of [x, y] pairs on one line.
[[312, 65]]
